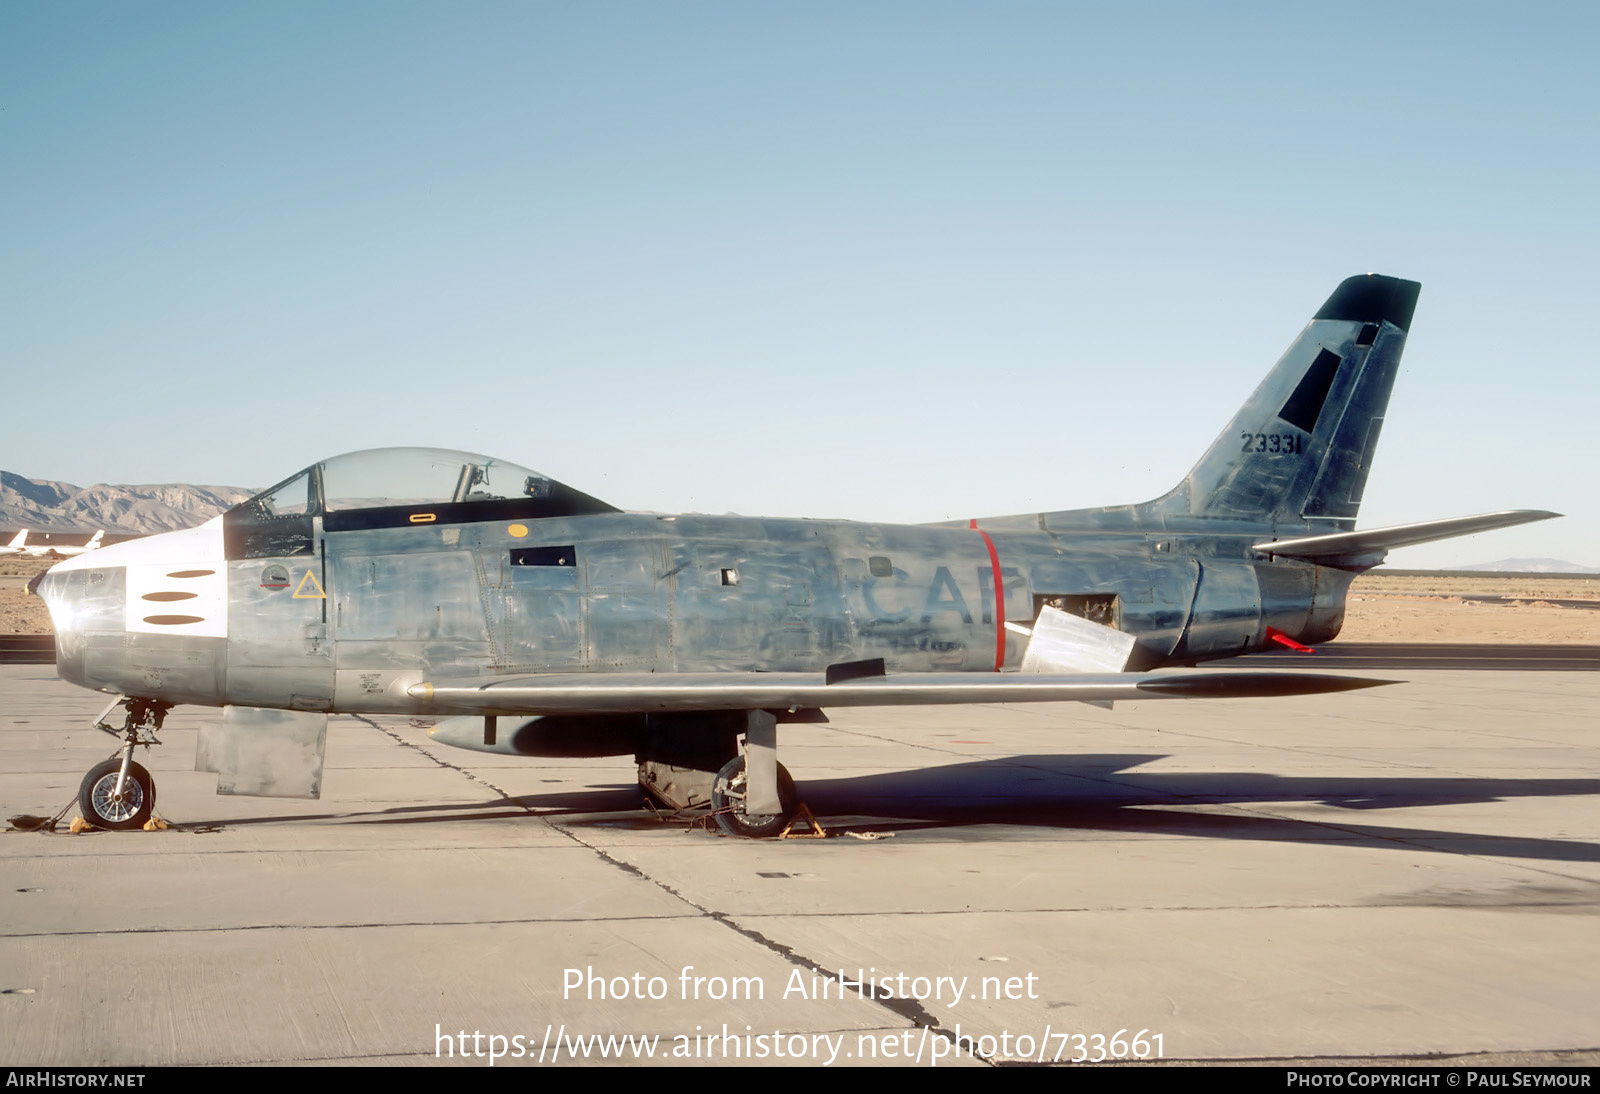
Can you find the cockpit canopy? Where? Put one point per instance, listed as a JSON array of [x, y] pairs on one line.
[[393, 487], [383, 477]]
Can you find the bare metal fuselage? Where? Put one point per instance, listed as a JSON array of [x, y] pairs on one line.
[[354, 616]]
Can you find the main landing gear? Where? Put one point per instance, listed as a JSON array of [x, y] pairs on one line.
[[730, 792], [727, 761], [117, 793]]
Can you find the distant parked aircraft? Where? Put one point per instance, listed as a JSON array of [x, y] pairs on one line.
[[18, 546]]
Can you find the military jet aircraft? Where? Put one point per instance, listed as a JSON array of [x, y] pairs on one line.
[[537, 620]]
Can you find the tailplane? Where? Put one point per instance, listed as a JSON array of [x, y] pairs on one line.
[[1359, 550], [1301, 447]]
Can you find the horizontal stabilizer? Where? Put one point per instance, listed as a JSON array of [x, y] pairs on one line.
[[1377, 540], [638, 693]]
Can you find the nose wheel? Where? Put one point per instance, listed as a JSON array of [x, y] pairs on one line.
[[118, 794], [104, 805]]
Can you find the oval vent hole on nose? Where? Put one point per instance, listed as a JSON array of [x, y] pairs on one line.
[[173, 620], [169, 596], [191, 573]]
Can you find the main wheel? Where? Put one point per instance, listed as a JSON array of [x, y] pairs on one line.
[[101, 806], [728, 798]]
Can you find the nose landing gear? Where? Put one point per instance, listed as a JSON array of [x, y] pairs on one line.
[[118, 794]]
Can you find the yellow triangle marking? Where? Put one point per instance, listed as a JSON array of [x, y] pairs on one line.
[[310, 579]]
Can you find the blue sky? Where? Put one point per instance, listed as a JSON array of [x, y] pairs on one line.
[[893, 261]]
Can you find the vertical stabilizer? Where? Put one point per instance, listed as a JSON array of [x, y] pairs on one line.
[[1301, 447]]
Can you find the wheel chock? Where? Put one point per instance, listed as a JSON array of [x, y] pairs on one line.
[[79, 825], [155, 824], [803, 815]]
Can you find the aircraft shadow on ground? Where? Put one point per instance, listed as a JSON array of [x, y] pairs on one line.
[[1090, 793], [1106, 793], [590, 800]]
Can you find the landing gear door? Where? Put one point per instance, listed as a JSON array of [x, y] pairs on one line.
[[264, 753]]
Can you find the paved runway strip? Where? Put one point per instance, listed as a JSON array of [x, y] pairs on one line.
[[1403, 871]]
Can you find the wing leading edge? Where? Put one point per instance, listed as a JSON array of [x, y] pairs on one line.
[[639, 693]]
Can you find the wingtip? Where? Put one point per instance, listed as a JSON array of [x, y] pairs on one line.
[[1257, 685]]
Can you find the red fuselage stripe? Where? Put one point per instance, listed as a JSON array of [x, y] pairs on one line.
[[999, 597]]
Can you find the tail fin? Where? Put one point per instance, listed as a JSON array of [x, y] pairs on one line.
[[1301, 446], [95, 542], [19, 541]]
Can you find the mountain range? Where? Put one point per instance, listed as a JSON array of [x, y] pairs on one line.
[[1532, 566], [44, 505]]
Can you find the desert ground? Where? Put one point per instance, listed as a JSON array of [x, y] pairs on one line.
[[1529, 609], [1525, 609]]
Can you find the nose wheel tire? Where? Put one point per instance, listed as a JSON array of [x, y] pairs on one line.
[[97, 796], [728, 798]]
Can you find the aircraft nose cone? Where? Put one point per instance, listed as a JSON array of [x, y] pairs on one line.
[[51, 587]]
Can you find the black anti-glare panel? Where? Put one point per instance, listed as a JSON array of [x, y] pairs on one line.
[[562, 502], [1304, 406]]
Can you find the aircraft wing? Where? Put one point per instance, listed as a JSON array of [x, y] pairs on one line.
[[636, 693], [1379, 540]]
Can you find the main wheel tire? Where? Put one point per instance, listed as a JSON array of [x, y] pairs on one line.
[[728, 798], [96, 796]]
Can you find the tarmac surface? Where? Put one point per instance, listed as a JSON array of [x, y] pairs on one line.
[[1408, 872]]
